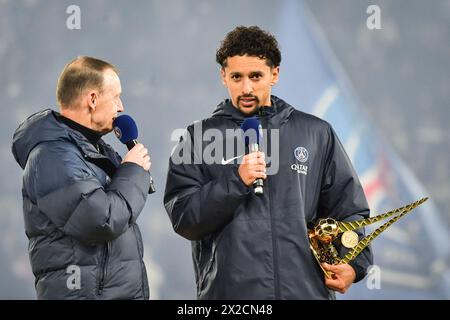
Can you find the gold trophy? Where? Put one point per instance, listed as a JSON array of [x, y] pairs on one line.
[[327, 230]]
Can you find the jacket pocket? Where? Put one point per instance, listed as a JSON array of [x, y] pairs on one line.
[[144, 282], [207, 271], [210, 268]]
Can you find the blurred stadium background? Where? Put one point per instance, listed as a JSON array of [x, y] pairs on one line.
[[386, 91]]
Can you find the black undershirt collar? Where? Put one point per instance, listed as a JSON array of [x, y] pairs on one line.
[[92, 135]]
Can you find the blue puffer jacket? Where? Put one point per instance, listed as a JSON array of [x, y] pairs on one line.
[[84, 242]]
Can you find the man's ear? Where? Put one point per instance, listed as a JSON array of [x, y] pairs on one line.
[[92, 99], [275, 75], [222, 75]]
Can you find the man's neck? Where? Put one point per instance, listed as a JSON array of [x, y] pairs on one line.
[[77, 122], [77, 116]]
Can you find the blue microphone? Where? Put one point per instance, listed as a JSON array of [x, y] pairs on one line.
[[126, 131], [253, 134]]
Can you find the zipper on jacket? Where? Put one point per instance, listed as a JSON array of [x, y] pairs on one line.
[[103, 265], [274, 232]]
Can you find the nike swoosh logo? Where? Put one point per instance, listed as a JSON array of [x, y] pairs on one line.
[[224, 162]]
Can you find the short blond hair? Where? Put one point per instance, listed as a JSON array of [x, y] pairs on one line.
[[78, 75]]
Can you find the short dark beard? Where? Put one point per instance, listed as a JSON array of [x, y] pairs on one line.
[[248, 96]]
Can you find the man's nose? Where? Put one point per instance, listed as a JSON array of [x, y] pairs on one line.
[[247, 87], [120, 106]]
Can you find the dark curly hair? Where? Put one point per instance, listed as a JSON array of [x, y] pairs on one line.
[[250, 41]]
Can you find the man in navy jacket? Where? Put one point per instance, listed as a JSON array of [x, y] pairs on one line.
[[248, 246], [80, 199]]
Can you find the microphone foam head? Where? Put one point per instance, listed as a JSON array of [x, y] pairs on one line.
[[251, 128], [125, 128]]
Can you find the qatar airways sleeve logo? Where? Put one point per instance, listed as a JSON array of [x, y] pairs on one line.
[[301, 154]]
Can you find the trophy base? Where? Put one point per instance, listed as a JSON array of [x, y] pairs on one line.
[[327, 274]]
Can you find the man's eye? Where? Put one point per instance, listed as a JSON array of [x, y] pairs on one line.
[[256, 76], [235, 77]]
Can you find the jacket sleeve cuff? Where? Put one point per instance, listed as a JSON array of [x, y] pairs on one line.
[[132, 182], [238, 182], [359, 271]]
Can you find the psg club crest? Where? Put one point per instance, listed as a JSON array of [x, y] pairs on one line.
[[301, 154]]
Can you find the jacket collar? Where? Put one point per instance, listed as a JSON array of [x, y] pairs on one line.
[[43, 126]]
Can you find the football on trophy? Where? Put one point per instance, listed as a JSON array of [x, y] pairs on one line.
[[326, 230]]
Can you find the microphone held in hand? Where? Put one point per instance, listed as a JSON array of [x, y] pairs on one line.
[[253, 134], [126, 131]]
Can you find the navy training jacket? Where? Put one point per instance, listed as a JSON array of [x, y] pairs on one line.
[[246, 246]]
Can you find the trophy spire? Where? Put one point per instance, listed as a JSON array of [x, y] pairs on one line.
[[321, 237]]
